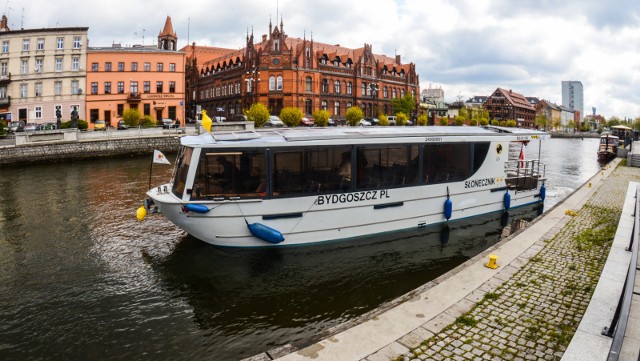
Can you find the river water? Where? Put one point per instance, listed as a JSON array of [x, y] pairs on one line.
[[81, 278]]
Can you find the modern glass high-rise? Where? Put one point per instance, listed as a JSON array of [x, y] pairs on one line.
[[573, 96]]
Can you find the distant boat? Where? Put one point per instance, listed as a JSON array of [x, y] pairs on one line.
[[608, 148]]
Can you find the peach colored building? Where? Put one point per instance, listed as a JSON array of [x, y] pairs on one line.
[[148, 78]]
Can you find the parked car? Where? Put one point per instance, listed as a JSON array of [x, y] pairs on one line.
[[168, 123], [100, 125], [332, 123], [122, 125], [16, 127], [30, 127], [391, 119], [219, 119], [373, 121], [239, 118], [274, 121], [307, 122], [364, 123]]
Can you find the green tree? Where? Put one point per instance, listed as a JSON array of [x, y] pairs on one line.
[[422, 119], [495, 122], [473, 122], [3, 126], [556, 124], [542, 121], [353, 115], [484, 122], [258, 114], [511, 123], [82, 124], [291, 116], [459, 120], [321, 117], [147, 121], [405, 105], [571, 125], [131, 117], [465, 114], [401, 119], [636, 124], [443, 121], [383, 119]]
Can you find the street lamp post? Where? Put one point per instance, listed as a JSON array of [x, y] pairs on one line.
[[252, 76]]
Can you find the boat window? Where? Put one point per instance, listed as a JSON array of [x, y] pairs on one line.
[[447, 162], [229, 173], [311, 170], [183, 161], [387, 166]]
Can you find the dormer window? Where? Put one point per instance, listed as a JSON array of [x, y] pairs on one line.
[[336, 62]]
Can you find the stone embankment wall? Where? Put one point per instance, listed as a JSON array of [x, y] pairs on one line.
[[53, 152]]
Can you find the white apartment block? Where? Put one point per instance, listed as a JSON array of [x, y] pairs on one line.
[[42, 70]]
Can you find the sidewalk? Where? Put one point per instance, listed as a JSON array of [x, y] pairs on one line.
[[527, 309]]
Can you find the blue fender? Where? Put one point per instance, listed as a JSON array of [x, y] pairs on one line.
[[265, 233], [448, 208], [507, 201], [197, 208], [543, 192]]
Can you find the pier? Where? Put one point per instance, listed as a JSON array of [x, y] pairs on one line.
[[556, 294]]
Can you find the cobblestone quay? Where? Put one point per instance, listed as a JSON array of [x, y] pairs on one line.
[[534, 313]]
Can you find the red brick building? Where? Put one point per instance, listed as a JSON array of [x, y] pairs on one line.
[[280, 71], [506, 104]]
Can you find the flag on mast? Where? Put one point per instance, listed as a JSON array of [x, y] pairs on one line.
[[158, 157]]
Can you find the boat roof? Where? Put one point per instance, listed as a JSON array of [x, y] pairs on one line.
[[299, 134]]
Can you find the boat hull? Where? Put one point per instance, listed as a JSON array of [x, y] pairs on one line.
[[335, 217]]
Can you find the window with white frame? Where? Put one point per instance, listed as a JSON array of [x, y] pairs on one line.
[[349, 88], [94, 66], [393, 93], [40, 44], [3, 92], [336, 109], [23, 90], [172, 66], [94, 87], [25, 44], [76, 42], [4, 66], [323, 105], [120, 86], [308, 84], [133, 87], [24, 66], [172, 87], [58, 64], [60, 43], [385, 92], [336, 87], [38, 111], [146, 87], [107, 87], [75, 64], [39, 65], [5, 46], [147, 66], [279, 82], [75, 87], [160, 66], [38, 89], [57, 88], [134, 66], [272, 83]]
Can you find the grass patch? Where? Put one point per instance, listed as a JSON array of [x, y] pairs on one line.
[[491, 296], [466, 321]]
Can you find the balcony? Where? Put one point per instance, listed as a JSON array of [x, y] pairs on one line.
[[5, 79], [134, 98], [5, 102]]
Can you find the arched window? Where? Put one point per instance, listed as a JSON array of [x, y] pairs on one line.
[[349, 88], [336, 109], [393, 93], [272, 83], [401, 93], [325, 86], [279, 82], [385, 92], [323, 105], [364, 89], [336, 86], [308, 85]]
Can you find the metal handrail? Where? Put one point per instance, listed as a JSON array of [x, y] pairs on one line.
[[618, 325]]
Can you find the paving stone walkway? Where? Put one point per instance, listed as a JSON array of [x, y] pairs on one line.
[[535, 312]]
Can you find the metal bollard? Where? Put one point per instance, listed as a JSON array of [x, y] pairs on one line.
[[492, 262]]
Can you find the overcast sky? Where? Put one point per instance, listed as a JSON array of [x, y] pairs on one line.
[[467, 47]]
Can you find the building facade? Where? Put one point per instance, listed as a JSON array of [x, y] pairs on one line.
[[508, 105], [280, 71], [148, 78], [573, 97], [42, 71]]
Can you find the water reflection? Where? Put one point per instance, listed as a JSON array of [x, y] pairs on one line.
[[256, 299]]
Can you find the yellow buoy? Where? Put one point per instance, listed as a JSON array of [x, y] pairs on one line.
[[492, 262], [141, 213]]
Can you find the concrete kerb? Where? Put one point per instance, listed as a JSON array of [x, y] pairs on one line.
[[436, 305]]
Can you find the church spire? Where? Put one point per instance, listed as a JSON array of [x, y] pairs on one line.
[[167, 39]]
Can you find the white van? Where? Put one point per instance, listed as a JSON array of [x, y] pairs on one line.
[[392, 119]]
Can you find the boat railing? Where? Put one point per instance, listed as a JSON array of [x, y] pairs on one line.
[[525, 174]]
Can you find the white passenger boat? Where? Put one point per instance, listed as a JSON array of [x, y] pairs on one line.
[[284, 187]]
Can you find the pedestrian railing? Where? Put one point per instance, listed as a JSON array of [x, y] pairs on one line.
[[618, 325]]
